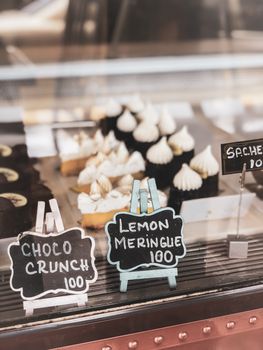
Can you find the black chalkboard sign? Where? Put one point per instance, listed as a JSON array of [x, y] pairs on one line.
[[144, 240], [235, 154], [43, 264]]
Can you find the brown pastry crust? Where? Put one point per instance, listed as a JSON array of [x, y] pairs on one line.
[[98, 220], [73, 166]]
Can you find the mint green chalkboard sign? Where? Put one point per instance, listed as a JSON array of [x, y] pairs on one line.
[[145, 245]]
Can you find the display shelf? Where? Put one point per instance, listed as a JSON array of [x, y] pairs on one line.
[[206, 268]]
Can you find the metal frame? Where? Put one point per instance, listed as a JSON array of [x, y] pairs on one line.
[[185, 334], [80, 328]]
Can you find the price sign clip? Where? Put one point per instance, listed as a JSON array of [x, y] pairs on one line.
[[238, 245]]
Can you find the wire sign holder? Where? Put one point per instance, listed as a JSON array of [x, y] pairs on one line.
[[145, 245], [240, 157], [237, 244], [52, 260]]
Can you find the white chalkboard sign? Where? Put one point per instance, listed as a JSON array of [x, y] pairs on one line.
[[56, 262], [145, 240], [235, 154]]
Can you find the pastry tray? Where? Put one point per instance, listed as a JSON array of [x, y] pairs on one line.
[[201, 222]]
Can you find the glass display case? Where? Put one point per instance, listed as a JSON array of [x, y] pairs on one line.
[[200, 63]]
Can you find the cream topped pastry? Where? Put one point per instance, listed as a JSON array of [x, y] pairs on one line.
[[97, 112], [182, 144], [182, 141], [125, 184], [205, 163], [112, 108], [149, 113], [207, 166], [96, 160], [146, 132], [98, 139], [134, 165], [110, 143], [100, 205], [122, 154], [87, 176], [187, 179], [187, 185], [105, 184], [126, 122], [126, 180], [160, 153], [66, 143], [73, 147], [135, 104], [74, 151], [167, 124], [145, 135], [160, 163], [95, 202], [115, 166]]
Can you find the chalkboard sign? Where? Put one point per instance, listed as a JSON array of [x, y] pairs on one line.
[[43, 264], [144, 240], [235, 154]]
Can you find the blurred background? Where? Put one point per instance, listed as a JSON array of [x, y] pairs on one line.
[[60, 30], [60, 57]]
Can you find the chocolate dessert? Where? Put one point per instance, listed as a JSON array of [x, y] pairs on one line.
[[12, 179], [10, 156], [15, 216]]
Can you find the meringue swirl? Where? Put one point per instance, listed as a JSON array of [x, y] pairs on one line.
[[160, 153], [126, 122], [113, 108], [146, 132], [205, 163], [167, 124], [135, 104], [149, 113], [187, 179], [181, 141]]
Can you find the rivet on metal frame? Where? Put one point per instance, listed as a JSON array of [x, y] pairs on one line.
[[107, 347], [253, 320], [182, 336], [207, 330], [230, 325], [133, 344], [158, 340]]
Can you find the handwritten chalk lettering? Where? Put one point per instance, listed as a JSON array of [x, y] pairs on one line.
[[258, 163], [43, 264], [235, 154], [159, 256], [138, 226], [72, 283], [145, 240], [46, 249], [245, 151]]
